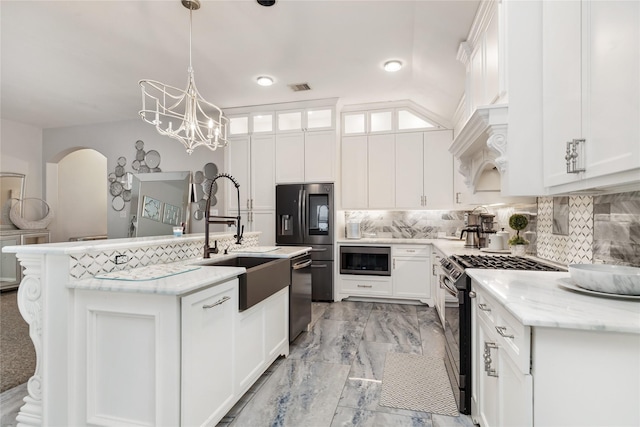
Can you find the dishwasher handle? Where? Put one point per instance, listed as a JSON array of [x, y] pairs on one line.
[[302, 264]]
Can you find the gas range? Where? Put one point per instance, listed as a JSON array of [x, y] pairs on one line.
[[455, 265]]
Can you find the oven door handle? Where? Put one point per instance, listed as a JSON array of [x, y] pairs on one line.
[[445, 285]]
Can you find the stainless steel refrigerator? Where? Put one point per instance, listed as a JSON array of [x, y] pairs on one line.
[[304, 217]]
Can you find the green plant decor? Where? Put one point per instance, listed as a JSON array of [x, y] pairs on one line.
[[518, 222]]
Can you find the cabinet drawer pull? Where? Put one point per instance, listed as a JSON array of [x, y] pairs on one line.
[[365, 286], [484, 307], [502, 331], [220, 301]]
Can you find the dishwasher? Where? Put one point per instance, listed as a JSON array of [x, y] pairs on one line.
[[299, 295]]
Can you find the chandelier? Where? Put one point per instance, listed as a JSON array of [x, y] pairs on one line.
[[184, 114]]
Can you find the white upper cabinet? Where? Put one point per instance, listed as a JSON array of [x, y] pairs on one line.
[[290, 157], [424, 170], [355, 179], [409, 170], [438, 170], [250, 159], [354, 123], [591, 92], [247, 124], [320, 118], [381, 171], [305, 145], [391, 159]]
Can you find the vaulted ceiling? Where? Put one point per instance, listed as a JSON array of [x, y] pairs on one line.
[[67, 63]]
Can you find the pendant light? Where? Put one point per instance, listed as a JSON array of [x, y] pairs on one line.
[[184, 114]]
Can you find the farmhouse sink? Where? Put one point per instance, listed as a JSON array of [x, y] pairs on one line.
[[264, 277]]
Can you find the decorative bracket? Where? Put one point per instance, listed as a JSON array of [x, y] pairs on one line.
[[483, 136]]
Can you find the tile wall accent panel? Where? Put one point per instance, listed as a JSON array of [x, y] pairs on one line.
[[577, 246], [616, 229], [87, 265]]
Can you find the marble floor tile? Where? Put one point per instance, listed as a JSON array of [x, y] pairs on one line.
[[353, 311], [459, 421], [365, 395], [369, 360], [394, 328], [348, 417], [407, 309], [332, 341], [317, 311], [299, 393], [431, 332]]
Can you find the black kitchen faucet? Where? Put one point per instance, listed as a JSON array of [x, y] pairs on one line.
[[229, 220]]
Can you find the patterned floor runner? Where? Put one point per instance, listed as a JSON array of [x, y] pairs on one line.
[[417, 383]]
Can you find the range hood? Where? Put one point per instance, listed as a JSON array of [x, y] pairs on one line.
[[481, 147]]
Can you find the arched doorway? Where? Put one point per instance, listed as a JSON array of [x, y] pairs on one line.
[[77, 191]]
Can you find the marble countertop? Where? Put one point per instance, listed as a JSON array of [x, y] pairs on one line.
[[182, 282], [449, 246], [68, 248], [536, 299]]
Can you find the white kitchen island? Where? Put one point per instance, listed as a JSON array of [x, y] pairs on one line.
[[547, 356], [155, 339]]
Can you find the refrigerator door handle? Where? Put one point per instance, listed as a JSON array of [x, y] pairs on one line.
[[300, 225], [303, 213]]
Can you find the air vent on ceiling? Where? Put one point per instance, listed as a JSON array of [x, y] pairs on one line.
[[300, 87]]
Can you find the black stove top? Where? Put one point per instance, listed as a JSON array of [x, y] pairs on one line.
[[501, 262]]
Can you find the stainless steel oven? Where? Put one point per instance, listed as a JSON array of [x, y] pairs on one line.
[[458, 322], [367, 260]]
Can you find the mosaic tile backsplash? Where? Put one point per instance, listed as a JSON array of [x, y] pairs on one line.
[[602, 229], [86, 265]]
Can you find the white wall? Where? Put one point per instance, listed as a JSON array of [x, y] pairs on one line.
[[118, 139], [21, 152], [82, 196]]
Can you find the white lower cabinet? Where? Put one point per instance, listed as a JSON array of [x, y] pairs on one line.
[[365, 286], [261, 332], [439, 294], [504, 393], [208, 345], [165, 360], [582, 377], [502, 390], [411, 272]]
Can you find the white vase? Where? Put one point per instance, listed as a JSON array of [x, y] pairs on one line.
[[518, 250]]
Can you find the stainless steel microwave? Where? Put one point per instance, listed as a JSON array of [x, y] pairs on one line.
[[365, 260]]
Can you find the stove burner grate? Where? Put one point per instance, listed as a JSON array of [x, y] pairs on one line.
[[502, 262]]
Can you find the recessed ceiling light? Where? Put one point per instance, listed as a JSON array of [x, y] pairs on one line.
[[266, 3], [392, 66], [265, 81]]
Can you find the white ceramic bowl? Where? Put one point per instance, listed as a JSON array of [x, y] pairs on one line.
[[612, 279]]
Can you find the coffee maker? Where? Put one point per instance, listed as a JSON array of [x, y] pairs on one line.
[[486, 229], [472, 228]]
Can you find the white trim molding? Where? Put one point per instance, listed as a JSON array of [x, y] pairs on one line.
[[30, 302]]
